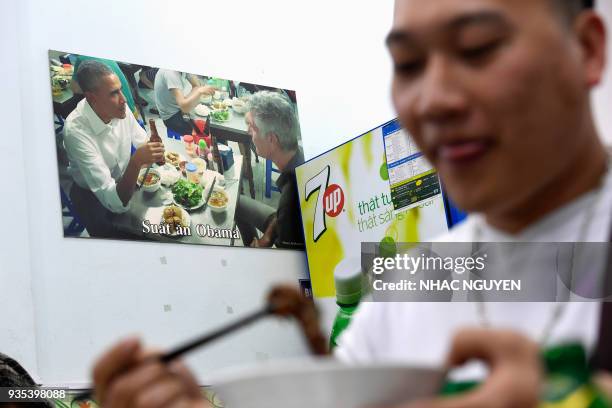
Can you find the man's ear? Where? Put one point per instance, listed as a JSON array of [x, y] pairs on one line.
[[90, 96], [591, 32], [273, 139]]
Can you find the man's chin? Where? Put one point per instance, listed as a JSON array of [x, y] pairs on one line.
[[470, 199]]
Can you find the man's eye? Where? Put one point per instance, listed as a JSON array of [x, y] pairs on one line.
[[408, 68], [481, 51]]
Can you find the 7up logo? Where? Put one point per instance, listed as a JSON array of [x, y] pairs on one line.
[[333, 200], [330, 202]]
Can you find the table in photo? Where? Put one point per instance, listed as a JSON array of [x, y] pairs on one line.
[[64, 104], [235, 130], [66, 101], [149, 206]]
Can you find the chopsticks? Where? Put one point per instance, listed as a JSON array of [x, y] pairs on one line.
[[207, 338], [209, 194], [268, 310], [283, 301], [144, 177]]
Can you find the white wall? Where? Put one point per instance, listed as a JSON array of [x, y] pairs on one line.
[[90, 292], [16, 311]]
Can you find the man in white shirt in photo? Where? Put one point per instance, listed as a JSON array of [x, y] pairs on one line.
[[98, 137]]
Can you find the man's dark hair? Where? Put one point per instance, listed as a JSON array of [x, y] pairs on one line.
[[89, 74], [13, 375], [588, 3], [569, 9]]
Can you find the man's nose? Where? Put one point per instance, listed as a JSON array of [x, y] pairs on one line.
[[440, 96]]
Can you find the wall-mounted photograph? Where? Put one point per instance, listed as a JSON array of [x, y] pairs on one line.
[[154, 154]]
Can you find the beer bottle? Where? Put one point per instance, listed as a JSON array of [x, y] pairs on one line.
[[156, 138], [206, 130]]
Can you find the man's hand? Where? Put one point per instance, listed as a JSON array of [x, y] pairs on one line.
[[145, 155], [603, 380], [269, 236], [128, 377], [206, 90], [261, 243], [149, 153], [515, 376]]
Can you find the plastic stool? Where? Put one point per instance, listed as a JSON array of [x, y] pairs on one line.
[[76, 226], [59, 121], [173, 134], [269, 186]]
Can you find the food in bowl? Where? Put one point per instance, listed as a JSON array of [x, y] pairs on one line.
[[173, 217], [200, 164], [151, 179], [152, 182], [169, 174], [219, 106], [218, 200], [206, 99], [202, 110], [239, 106], [173, 158]]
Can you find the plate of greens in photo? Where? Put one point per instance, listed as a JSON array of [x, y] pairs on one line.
[[221, 115], [188, 195]]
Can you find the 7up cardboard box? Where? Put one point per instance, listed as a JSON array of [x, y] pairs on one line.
[[346, 198]]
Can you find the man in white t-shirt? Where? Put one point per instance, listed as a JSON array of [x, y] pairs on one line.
[[497, 95], [99, 135], [177, 94]]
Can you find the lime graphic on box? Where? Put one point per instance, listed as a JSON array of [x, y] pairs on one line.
[[347, 197], [387, 248], [384, 173]]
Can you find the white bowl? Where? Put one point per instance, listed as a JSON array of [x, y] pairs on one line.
[[218, 209], [152, 187], [240, 108], [200, 164], [169, 174], [202, 110], [326, 383]]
